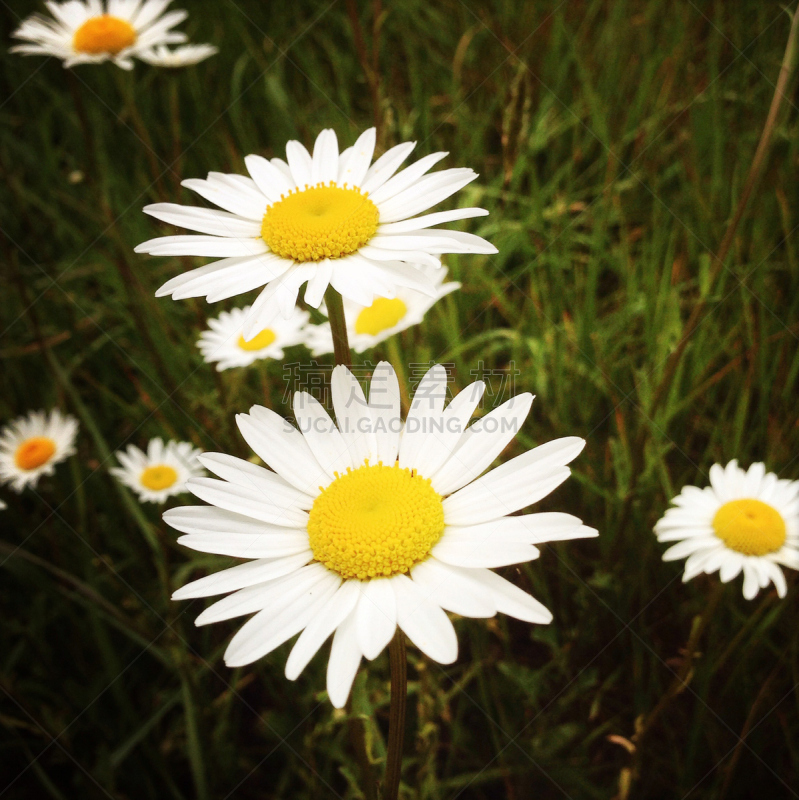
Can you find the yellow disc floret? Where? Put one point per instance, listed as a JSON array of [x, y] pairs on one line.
[[380, 316], [158, 477], [34, 452], [375, 521], [259, 341], [104, 34], [319, 222], [751, 527]]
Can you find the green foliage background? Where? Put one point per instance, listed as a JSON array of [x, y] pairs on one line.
[[612, 139]]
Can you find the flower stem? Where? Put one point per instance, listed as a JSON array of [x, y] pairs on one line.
[[338, 326], [395, 356], [396, 719]]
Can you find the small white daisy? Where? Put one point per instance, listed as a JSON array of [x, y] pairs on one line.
[[91, 31], [184, 56], [160, 472], [370, 524], [369, 325], [326, 219], [31, 447], [224, 342], [745, 521]]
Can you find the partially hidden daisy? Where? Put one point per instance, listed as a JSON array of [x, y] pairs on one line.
[[31, 446], [369, 325], [160, 472], [745, 521], [224, 342], [370, 524], [183, 56], [327, 219], [93, 31]]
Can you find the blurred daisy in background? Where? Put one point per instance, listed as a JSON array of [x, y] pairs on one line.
[[224, 343], [184, 56], [160, 472], [31, 446], [90, 32], [745, 521], [369, 325], [327, 219], [370, 524]]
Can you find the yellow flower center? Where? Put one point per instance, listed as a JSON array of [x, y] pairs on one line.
[[319, 222], [104, 34], [158, 477], [34, 452], [261, 340], [380, 316], [375, 521], [750, 527]]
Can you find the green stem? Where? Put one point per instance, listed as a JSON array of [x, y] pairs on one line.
[[396, 718], [338, 326], [395, 356]]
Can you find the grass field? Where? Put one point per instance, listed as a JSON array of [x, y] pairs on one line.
[[612, 140]]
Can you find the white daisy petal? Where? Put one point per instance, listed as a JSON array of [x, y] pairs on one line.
[[248, 500], [345, 658], [408, 177], [426, 407], [460, 551], [283, 448], [241, 576], [384, 405], [510, 599], [300, 163], [386, 166], [275, 595], [269, 628], [353, 415], [516, 484], [353, 168], [376, 617], [269, 179], [423, 622], [204, 220], [330, 616], [453, 589], [323, 437], [324, 167], [481, 444]]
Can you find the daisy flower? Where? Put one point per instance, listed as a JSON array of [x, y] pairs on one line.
[[224, 343], [370, 524], [160, 472], [369, 325], [31, 447], [184, 56], [745, 521], [93, 31], [327, 219]]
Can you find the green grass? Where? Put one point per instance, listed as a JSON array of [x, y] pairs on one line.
[[613, 139]]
